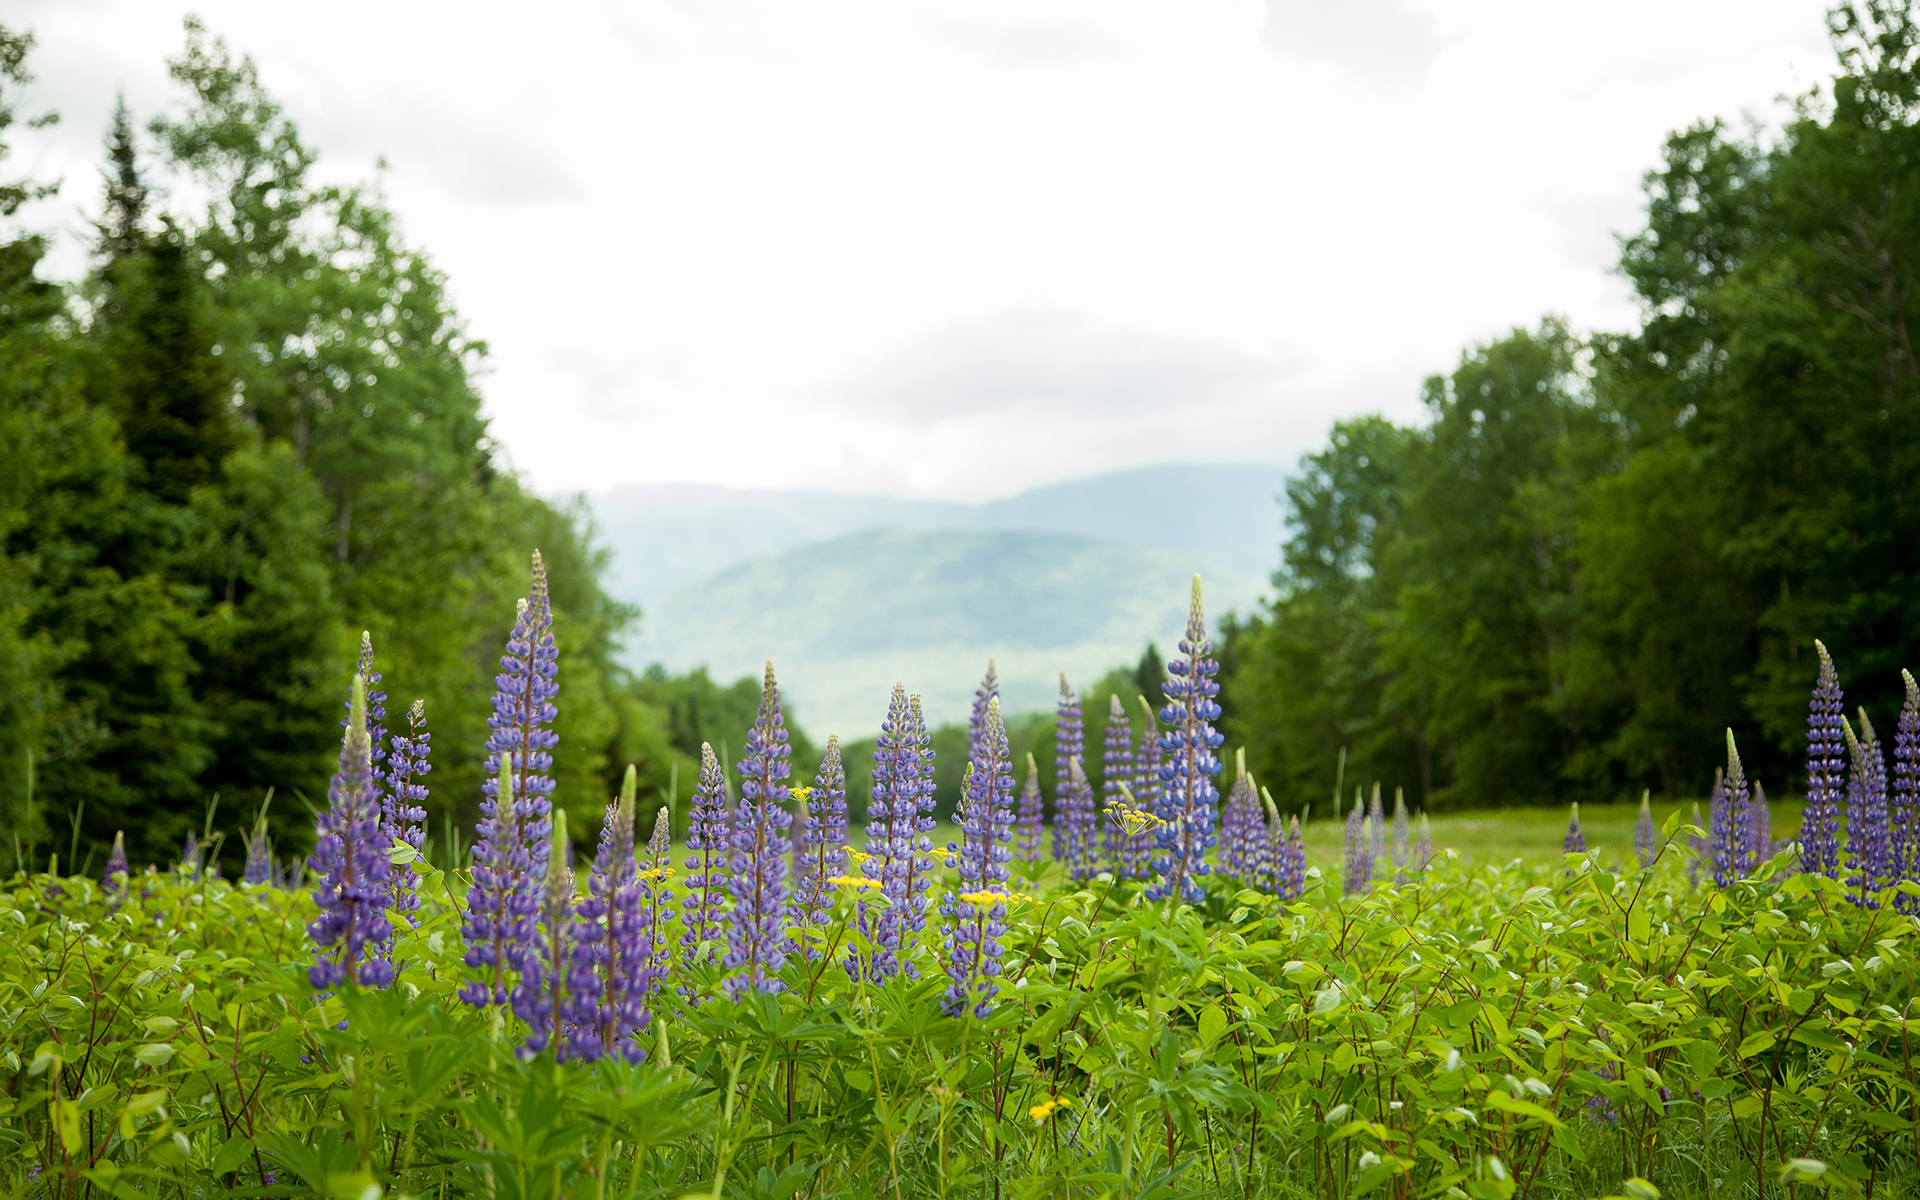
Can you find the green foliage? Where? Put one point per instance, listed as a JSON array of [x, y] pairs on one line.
[[1550, 1030]]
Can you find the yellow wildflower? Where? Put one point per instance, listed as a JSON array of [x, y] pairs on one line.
[[802, 792], [1040, 1112], [658, 873], [858, 856], [1134, 820], [990, 897], [854, 881]]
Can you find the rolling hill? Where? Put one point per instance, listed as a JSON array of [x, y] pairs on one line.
[[844, 618]]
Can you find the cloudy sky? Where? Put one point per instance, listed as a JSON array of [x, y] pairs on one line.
[[956, 248]]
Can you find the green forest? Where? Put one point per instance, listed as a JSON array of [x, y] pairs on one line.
[[254, 429]]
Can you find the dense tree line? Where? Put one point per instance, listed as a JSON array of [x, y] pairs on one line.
[[250, 433], [1599, 552]]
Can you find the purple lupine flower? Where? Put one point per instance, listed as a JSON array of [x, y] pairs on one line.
[[117, 872], [1189, 801], [1075, 824], [1731, 820], [1269, 835], [823, 847], [1033, 817], [351, 931], [977, 720], [1377, 828], [259, 855], [402, 817], [1359, 872], [891, 819], [1241, 830], [654, 887], [1290, 859], [1600, 1110], [515, 832], [552, 996], [1646, 840], [920, 864], [616, 937], [975, 922], [1720, 832], [710, 836], [1116, 768], [376, 711], [1904, 813], [1401, 850], [1867, 827], [757, 931], [1576, 840], [1423, 843], [1826, 772], [190, 855], [1146, 792]]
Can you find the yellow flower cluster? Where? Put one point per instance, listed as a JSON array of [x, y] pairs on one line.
[[987, 897], [1133, 820], [802, 792], [1040, 1112], [854, 881], [658, 873]]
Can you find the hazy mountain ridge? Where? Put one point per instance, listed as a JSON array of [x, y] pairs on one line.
[[844, 619], [667, 536]]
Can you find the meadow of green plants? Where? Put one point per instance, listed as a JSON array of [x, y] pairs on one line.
[[1443, 1028]]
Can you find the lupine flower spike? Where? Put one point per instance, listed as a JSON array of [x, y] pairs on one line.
[[1359, 865], [1423, 845], [920, 864], [1826, 772], [1731, 821], [1905, 813], [615, 963], [891, 820], [1377, 823], [1867, 832], [976, 914], [1759, 827], [823, 847], [1189, 801], [1075, 825], [977, 720], [656, 890], [1032, 819], [515, 832], [1646, 843], [757, 943], [190, 855], [351, 931], [1116, 768], [543, 998], [1289, 853], [709, 836], [259, 870], [1576, 840], [1238, 818], [402, 818], [117, 872]]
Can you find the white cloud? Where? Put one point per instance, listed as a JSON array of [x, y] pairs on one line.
[[959, 247]]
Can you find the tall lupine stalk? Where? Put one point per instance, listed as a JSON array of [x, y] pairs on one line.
[[1189, 801], [1289, 872], [1269, 835], [1075, 824], [823, 848], [1241, 829], [1905, 811], [552, 997], [190, 855], [757, 942], [617, 927], [259, 868], [983, 695], [515, 832], [1031, 823], [709, 836], [1646, 840], [351, 931], [1359, 864], [1116, 768], [114, 879], [1826, 772], [402, 815], [1146, 791], [921, 865], [976, 914], [1867, 828], [1423, 843], [892, 818], [1576, 840], [656, 890], [376, 711]]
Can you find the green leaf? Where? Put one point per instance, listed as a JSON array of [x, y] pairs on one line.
[[1756, 1043], [153, 1054]]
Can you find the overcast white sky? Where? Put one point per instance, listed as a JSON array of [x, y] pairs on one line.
[[956, 248]]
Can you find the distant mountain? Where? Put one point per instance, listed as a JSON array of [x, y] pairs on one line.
[[667, 536], [843, 619]]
